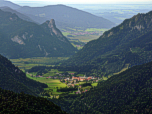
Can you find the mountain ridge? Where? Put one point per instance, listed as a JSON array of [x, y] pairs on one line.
[[24, 17], [69, 16], [30, 39], [114, 46], [8, 3]]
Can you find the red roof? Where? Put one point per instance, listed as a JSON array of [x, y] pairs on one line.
[[89, 78], [75, 77]]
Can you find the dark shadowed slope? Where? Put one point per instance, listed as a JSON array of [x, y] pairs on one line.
[[12, 78], [26, 104]]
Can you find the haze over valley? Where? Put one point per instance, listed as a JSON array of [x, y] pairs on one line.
[[80, 57]]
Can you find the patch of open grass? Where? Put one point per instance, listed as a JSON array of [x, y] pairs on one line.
[[28, 63], [94, 84], [81, 83], [125, 68], [65, 33], [85, 38], [80, 74], [95, 29], [52, 73]]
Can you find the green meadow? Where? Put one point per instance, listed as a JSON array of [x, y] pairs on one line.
[[53, 84], [95, 29], [28, 63], [85, 38]]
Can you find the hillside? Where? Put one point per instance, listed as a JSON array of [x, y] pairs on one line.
[[127, 44], [22, 39], [9, 4], [70, 16], [127, 93], [24, 17], [23, 103], [12, 78]]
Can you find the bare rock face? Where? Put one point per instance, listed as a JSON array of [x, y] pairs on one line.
[[17, 39], [52, 24], [53, 28]]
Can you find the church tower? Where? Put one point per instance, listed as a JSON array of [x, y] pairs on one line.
[[85, 75]]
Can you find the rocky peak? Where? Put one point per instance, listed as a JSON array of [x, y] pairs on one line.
[[52, 24], [53, 29]]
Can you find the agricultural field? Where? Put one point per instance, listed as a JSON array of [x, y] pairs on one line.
[[54, 84], [95, 29], [52, 73], [28, 63], [84, 35], [85, 38], [78, 36], [94, 84]]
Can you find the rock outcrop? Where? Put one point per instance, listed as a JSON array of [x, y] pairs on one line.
[[53, 29]]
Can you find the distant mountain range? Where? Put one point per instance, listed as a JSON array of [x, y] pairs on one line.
[[21, 39], [66, 17], [20, 15], [9, 4], [130, 43]]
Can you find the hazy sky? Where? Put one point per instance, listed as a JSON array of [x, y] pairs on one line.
[[82, 1]]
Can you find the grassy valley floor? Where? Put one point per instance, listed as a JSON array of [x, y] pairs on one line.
[[53, 84]]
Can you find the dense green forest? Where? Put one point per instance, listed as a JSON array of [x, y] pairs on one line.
[[22, 39], [21, 103], [126, 93], [12, 78], [130, 44], [20, 15]]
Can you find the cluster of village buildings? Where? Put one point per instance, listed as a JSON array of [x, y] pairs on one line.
[[80, 78], [74, 79]]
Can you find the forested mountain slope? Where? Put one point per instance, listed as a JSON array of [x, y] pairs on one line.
[[128, 43], [22, 39], [12, 78], [22, 16], [21, 103], [126, 93]]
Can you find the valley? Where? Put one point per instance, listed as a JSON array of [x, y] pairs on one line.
[[54, 79], [79, 37], [76, 59], [27, 63]]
